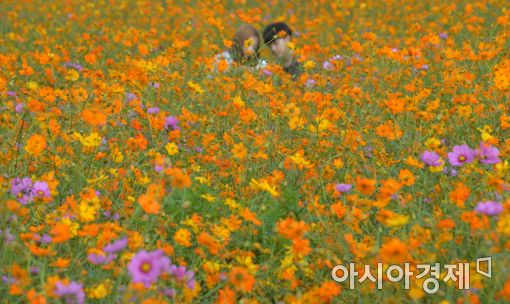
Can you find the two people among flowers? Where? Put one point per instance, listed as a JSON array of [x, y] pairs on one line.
[[246, 44]]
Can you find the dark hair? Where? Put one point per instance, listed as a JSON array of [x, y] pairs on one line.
[[242, 34], [271, 31]]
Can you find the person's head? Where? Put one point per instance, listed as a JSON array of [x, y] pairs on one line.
[[246, 43], [277, 37]]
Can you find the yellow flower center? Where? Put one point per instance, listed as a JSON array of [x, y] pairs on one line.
[[146, 267], [462, 158]]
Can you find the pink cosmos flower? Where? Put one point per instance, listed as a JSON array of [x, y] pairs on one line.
[[488, 154], [41, 189], [145, 267], [461, 155], [431, 158], [72, 292], [490, 208]]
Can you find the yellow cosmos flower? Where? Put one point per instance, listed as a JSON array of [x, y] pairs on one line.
[[100, 290], [72, 75], [171, 148], [195, 87], [432, 143], [238, 102], [208, 197], [239, 151], [182, 237], [263, 186], [299, 160], [309, 64], [397, 220]]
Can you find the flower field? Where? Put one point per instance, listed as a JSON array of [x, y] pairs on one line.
[[132, 170]]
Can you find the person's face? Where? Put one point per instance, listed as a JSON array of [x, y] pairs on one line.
[[280, 47], [249, 46]]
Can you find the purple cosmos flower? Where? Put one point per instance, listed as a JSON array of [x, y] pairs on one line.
[[431, 158], [490, 208], [72, 292], [343, 187], [75, 66], [153, 110], [223, 276], [130, 97], [97, 259], [158, 168], [461, 155], [12, 94], [425, 67], [22, 189], [45, 239], [367, 151], [41, 189], [171, 121], [443, 35], [19, 107], [169, 292], [181, 274], [190, 279], [19, 185], [145, 267], [116, 246], [488, 154], [310, 83], [327, 65], [154, 85], [8, 236], [267, 72], [190, 283], [453, 172], [34, 270], [8, 280], [178, 272]]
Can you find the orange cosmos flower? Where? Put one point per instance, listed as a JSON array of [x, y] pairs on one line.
[[406, 177], [365, 186], [91, 58], [22, 280], [301, 247], [505, 292], [180, 179], [94, 117], [389, 187], [61, 263], [60, 233], [460, 194], [182, 237], [291, 229], [34, 298], [394, 251], [239, 151], [241, 278], [339, 209], [226, 296], [208, 241], [36, 144], [251, 217], [150, 201]]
